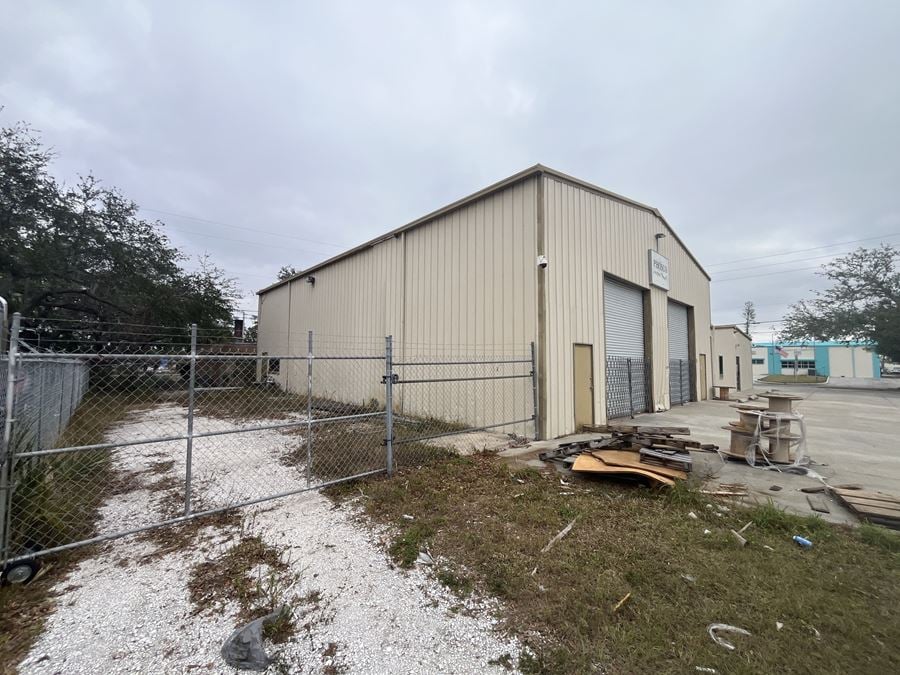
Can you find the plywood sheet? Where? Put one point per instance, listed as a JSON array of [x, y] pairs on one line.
[[589, 464], [624, 458]]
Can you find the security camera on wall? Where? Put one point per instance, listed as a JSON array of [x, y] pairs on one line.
[[542, 262]]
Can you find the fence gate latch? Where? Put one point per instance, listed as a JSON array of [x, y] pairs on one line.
[[395, 378]]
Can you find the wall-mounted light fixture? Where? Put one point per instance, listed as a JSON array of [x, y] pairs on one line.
[[311, 280], [658, 236]]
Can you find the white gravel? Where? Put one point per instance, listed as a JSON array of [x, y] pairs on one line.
[[118, 614]]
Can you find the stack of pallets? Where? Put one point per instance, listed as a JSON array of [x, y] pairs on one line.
[[876, 507]]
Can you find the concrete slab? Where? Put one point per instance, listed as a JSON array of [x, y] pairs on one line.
[[853, 437]]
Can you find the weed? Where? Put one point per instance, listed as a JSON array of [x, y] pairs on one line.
[[770, 517], [880, 537], [406, 546], [460, 584], [504, 661], [230, 577]]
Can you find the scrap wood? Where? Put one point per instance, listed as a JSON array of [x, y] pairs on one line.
[[562, 533], [817, 503], [876, 507], [636, 429], [589, 464], [665, 456], [621, 602], [622, 458]]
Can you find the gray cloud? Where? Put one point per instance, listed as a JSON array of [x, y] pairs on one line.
[[757, 128]]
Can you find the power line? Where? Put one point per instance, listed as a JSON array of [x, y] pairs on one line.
[[804, 250], [242, 227], [769, 274], [784, 262]]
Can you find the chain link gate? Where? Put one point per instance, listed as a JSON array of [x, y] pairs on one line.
[[681, 389], [103, 441], [627, 386]]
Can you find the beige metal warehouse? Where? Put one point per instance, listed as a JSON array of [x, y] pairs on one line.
[[616, 304]]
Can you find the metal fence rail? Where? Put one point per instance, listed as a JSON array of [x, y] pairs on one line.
[[112, 439]]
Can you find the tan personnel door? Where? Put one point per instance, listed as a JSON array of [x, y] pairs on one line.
[[584, 385], [703, 384]]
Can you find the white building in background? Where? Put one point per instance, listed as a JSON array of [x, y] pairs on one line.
[[828, 359], [733, 357]]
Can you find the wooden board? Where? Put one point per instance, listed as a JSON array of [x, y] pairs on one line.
[[817, 503], [862, 502], [623, 458], [589, 464], [877, 507], [865, 494], [641, 429]]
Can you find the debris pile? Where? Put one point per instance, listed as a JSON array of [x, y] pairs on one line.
[[650, 452]]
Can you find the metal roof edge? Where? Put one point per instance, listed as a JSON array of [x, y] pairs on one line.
[[626, 200], [535, 170], [735, 327], [494, 187]]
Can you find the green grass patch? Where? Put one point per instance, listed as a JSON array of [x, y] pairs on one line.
[[487, 525]]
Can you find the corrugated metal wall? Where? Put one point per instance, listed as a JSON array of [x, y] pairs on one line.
[[587, 233], [461, 285]]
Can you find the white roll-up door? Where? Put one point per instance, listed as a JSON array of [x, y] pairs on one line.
[[627, 371], [679, 354], [623, 315]]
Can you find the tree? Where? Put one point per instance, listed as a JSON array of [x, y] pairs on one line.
[[81, 253], [286, 272], [862, 305], [749, 315]]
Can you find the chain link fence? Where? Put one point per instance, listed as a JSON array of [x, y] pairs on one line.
[[627, 386], [110, 432]]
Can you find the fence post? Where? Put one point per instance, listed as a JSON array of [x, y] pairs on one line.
[[309, 395], [6, 450], [192, 381], [630, 387], [534, 394], [389, 402]]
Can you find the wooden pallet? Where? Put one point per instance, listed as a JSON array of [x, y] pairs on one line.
[[876, 507]]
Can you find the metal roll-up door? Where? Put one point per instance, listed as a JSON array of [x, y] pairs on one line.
[[679, 354], [627, 370]]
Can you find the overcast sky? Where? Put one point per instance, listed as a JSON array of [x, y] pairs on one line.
[[757, 128]]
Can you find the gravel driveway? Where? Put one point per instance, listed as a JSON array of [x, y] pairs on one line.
[[128, 611]]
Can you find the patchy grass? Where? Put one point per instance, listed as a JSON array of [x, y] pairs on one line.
[[348, 448], [837, 601], [798, 378], [56, 502], [250, 403], [252, 574]]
